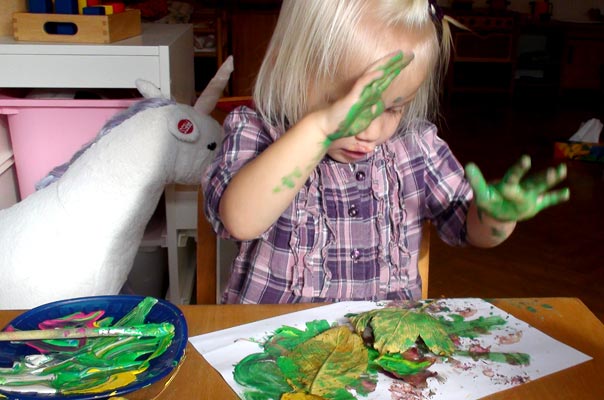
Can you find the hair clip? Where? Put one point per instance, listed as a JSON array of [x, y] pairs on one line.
[[435, 10]]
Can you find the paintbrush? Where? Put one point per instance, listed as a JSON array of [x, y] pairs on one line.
[[148, 330]]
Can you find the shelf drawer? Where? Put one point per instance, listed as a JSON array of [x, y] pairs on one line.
[[74, 71]]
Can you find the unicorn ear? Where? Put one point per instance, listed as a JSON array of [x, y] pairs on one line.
[[210, 95], [147, 89], [182, 126]]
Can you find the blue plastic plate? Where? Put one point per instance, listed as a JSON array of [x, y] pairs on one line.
[[114, 306]]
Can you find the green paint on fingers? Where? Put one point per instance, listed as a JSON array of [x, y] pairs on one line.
[[516, 197], [370, 104], [498, 233]]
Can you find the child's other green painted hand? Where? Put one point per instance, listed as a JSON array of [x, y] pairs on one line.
[[370, 104], [515, 197]]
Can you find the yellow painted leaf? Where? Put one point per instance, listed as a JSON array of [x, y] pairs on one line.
[[328, 363]]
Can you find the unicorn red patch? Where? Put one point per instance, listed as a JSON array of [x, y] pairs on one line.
[[185, 126]]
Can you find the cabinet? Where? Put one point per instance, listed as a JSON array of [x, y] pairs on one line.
[[210, 28], [483, 58], [251, 31], [241, 28], [538, 62], [163, 55], [583, 57], [211, 42]]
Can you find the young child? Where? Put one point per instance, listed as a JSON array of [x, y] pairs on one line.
[[327, 182]]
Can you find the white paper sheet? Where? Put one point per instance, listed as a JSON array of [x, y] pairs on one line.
[[469, 379]]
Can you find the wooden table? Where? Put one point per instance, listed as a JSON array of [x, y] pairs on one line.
[[565, 319]]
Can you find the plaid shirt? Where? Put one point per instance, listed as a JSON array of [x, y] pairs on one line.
[[353, 231]]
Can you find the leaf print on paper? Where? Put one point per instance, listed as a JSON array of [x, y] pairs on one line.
[[457, 325], [259, 371], [320, 362], [400, 341], [286, 338], [400, 366], [395, 330], [327, 364]]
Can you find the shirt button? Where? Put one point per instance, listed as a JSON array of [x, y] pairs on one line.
[[360, 176], [355, 254], [353, 211]]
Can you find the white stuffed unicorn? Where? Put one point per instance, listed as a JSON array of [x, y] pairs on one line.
[[79, 235]]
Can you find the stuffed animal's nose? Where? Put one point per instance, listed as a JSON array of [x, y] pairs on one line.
[[212, 146]]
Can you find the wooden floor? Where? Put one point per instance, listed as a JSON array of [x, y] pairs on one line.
[[560, 252]]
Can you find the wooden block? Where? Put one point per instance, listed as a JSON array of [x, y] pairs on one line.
[[81, 5], [39, 6], [108, 9], [118, 7], [66, 7], [90, 28], [93, 10]]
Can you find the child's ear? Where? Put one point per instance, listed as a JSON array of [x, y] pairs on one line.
[[182, 126]]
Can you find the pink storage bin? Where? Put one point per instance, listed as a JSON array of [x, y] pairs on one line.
[[47, 132]]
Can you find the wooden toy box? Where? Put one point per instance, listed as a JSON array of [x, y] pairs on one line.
[[88, 28], [7, 8]]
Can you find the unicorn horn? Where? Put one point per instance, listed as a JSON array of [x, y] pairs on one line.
[[210, 95]]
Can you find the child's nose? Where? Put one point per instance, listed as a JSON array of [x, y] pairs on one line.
[[370, 134]]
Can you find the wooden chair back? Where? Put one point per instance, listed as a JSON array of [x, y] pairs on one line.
[[423, 263], [206, 281]]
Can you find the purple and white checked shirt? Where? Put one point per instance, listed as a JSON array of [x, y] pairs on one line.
[[353, 231]]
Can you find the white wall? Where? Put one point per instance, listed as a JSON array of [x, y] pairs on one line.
[[573, 10]]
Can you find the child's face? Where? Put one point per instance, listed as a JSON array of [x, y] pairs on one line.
[[396, 98], [356, 148]]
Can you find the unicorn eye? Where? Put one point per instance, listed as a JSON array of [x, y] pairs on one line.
[[212, 146]]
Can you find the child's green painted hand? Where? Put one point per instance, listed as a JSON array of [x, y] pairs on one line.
[[515, 198], [370, 104]]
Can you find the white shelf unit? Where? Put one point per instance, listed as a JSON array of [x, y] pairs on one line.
[[163, 54]]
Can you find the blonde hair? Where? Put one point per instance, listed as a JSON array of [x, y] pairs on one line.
[[315, 40]]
